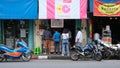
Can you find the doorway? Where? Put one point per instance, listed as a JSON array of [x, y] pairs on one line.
[[13, 31], [70, 25]]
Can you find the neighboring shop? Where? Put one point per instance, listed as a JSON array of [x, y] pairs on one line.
[[105, 19], [17, 22], [14, 30]]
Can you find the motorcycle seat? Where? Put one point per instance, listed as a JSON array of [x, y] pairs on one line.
[[5, 48], [79, 47]]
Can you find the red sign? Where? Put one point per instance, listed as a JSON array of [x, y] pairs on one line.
[[106, 9]]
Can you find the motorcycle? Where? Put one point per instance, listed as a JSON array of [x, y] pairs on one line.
[[22, 52], [109, 50], [88, 51]]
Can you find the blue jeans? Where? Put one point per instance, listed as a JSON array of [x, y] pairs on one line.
[[56, 47], [65, 47]]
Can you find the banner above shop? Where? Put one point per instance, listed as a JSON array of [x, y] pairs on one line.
[[102, 8], [62, 9], [18, 9]]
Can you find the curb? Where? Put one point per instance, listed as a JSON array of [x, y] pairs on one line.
[[42, 57], [50, 57]]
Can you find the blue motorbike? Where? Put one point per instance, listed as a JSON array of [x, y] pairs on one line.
[[88, 51], [22, 52]]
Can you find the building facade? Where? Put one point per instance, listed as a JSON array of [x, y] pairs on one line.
[[29, 23]]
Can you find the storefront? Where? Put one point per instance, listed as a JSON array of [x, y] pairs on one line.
[[13, 30], [59, 14], [32, 17], [106, 13], [99, 23], [17, 22], [59, 24]]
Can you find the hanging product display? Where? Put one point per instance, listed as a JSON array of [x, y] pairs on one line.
[[106, 35]]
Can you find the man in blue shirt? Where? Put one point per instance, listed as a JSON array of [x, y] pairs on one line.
[[56, 37]]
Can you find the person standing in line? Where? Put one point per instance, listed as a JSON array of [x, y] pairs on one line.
[[47, 40], [56, 37], [65, 42], [78, 38]]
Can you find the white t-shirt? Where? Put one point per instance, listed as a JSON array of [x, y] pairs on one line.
[[65, 35], [79, 37]]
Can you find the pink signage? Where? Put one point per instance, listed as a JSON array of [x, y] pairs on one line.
[[67, 1], [62, 9]]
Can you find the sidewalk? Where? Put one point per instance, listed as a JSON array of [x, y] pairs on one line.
[[51, 56]]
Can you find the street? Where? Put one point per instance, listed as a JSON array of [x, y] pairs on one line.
[[62, 64]]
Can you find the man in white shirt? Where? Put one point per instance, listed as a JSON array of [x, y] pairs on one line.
[[78, 38]]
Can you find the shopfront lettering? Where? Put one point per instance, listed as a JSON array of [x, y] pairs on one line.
[[109, 8]]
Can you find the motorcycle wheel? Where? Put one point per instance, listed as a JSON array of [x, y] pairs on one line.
[[26, 57], [98, 57], [1, 59], [74, 55], [119, 55], [107, 55]]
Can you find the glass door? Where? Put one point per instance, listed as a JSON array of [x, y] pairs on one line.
[[13, 31]]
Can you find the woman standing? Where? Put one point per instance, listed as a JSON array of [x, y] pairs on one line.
[[65, 42]]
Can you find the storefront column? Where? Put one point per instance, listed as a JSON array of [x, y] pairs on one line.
[[0, 32], [89, 30], [37, 37], [77, 25], [84, 31], [31, 35]]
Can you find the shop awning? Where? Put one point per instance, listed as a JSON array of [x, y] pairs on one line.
[[62, 9], [18, 9]]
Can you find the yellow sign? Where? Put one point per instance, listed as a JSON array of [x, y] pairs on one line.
[[109, 9]]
